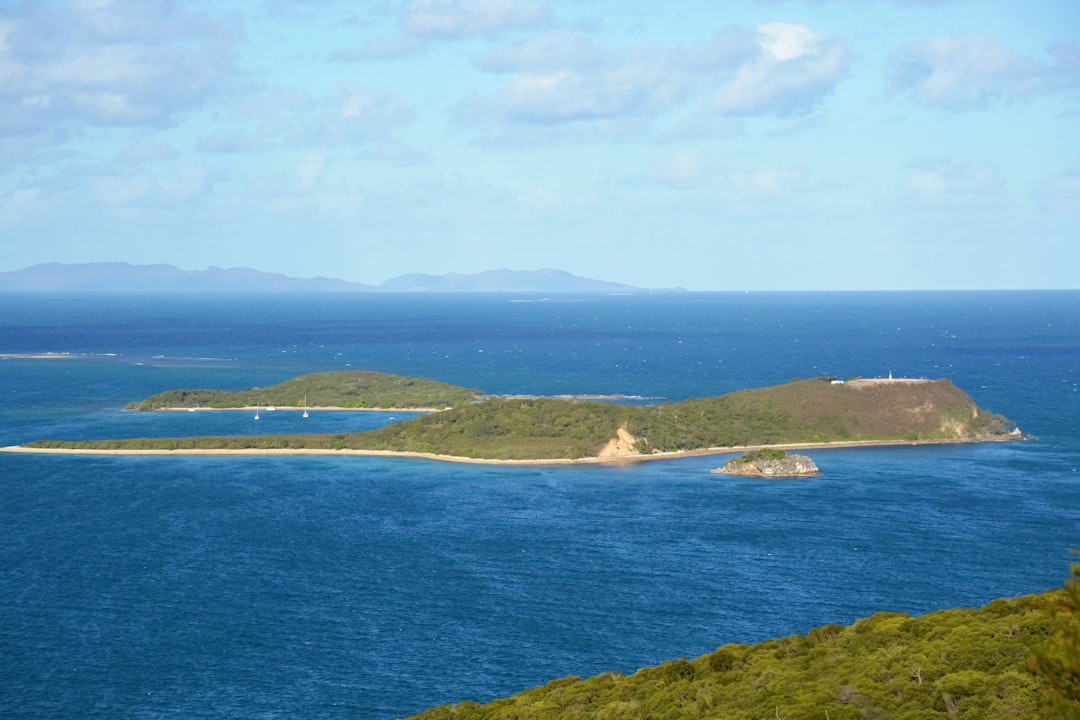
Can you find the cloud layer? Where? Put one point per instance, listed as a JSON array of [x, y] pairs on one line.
[[567, 78], [975, 71], [513, 131], [110, 64]]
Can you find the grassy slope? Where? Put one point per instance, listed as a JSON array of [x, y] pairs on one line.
[[347, 388], [797, 412], [946, 665], [813, 411]]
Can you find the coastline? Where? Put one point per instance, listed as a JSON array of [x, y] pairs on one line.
[[608, 460], [580, 396], [36, 356], [291, 408]]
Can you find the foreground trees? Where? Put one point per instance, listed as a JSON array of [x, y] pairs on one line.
[[1057, 661], [1015, 659]]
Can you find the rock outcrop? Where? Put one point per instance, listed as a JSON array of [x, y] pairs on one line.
[[788, 466], [622, 445]]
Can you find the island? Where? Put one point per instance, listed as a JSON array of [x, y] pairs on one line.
[[344, 389], [770, 462], [470, 427]]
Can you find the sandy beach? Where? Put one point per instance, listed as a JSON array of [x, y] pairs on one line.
[[292, 408], [35, 356], [609, 460]]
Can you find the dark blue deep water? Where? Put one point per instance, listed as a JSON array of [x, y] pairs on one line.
[[325, 587]]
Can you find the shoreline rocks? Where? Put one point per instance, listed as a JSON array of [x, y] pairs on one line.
[[790, 465]]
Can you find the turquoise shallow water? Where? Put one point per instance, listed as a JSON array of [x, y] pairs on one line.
[[373, 588]]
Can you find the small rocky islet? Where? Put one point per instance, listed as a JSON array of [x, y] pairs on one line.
[[772, 463]]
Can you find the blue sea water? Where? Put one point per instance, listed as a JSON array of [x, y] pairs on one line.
[[347, 587]]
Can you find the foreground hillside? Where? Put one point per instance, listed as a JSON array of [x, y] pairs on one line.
[[800, 412], [1016, 659]]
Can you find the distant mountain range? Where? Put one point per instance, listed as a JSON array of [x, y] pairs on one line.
[[125, 277], [547, 281]]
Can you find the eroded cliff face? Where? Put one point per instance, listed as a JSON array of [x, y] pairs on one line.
[[622, 445], [790, 466]]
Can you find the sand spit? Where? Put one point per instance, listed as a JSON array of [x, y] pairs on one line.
[[36, 356], [609, 460], [294, 408]]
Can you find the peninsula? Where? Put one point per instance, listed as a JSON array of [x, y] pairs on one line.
[[820, 412]]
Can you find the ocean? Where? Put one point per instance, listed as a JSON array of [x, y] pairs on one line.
[[354, 587]]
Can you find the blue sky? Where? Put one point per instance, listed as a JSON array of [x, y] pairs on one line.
[[737, 145]]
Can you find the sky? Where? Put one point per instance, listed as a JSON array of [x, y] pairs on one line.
[[736, 145]]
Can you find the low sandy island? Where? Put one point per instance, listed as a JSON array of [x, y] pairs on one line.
[[294, 408], [608, 460], [35, 356], [320, 408]]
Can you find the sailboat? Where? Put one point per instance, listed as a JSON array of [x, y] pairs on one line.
[[305, 406], [256, 414]]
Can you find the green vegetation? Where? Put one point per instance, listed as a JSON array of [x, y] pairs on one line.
[[803, 411], [1057, 661], [770, 462], [810, 411], [506, 429], [1013, 659], [762, 454], [346, 389]]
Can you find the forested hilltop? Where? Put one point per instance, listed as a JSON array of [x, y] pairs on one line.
[[821, 410], [1015, 659], [343, 389]]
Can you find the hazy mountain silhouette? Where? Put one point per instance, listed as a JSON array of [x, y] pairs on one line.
[[125, 277]]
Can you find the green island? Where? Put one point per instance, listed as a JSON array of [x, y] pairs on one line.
[[801, 413], [349, 389], [1012, 658]]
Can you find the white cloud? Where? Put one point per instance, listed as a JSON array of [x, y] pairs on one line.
[[146, 152], [396, 153], [972, 71], [381, 48], [690, 171], [569, 78], [454, 19], [354, 114], [230, 140], [767, 181], [124, 62], [421, 22], [792, 69], [284, 117], [550, 52]]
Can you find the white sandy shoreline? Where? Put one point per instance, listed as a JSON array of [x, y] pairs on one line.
[[611, 460], [335, 408], [36, 356], [294, 408]]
